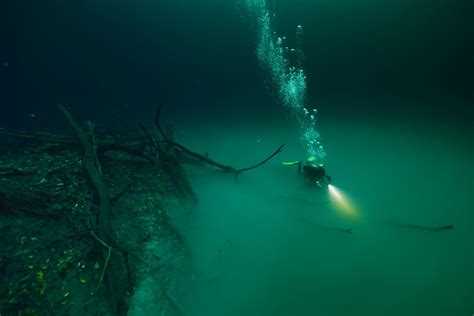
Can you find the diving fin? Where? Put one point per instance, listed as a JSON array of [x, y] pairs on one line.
[[291, 163]]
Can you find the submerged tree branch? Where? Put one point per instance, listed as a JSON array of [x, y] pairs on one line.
[[433, 229], [39, 136], [116, 289], [204, 158]]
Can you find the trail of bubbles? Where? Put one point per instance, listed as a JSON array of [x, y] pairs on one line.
[[290, 81]]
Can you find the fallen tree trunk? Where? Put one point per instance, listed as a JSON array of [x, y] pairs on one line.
[[115, 262]]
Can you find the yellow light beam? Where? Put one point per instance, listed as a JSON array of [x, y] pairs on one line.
[[342, 203]]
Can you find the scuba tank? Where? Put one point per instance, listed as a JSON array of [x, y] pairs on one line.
[[315, 172]]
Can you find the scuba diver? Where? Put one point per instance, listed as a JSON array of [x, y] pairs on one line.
[[316, 173]]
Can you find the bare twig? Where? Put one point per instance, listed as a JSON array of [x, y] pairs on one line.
[[151, 138], [39, 136], [434, 229], [106, 264], [56, 169], [126, 144], [276, 152]]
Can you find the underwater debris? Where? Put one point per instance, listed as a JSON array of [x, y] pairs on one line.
[[205, 158], [434, 229], [47, 199]]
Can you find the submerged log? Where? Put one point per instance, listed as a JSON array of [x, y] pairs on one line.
[[115, 262]]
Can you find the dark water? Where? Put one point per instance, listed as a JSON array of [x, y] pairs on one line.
[[393, 85]]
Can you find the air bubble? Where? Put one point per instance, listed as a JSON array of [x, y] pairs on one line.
[[289, 80]]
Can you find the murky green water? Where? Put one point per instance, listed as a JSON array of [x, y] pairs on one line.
[[260, 247], [227, 71]]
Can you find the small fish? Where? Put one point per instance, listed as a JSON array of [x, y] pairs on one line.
[[33, 115]]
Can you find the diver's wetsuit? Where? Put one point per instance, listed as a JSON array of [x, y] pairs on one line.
[[316, 173]]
